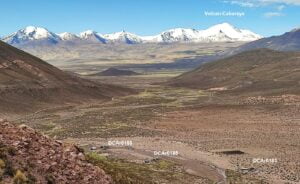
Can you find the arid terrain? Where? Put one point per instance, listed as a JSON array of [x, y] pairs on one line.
[[93, 58], [216, 136], [150, 92], [159, 128]]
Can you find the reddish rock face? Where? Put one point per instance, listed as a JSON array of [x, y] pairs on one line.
[[44, 160]]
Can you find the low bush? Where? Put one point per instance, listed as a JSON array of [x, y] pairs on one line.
[[20, 178]]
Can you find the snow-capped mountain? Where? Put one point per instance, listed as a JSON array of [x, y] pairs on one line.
[[218, 33], [32, 33], [92, 36], [234, 34], [123, 37], [174, 35], [68, 36]]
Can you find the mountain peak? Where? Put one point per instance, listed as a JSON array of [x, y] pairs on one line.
[[30, 33], [295, 30], [92, 36], [123, 37], [87, 33], [67, 36], [233, 33], [223, 27], [30, 28], [225, 24], [35, 30], [218, 33]]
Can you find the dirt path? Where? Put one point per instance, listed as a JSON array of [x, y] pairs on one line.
[[195, 162]]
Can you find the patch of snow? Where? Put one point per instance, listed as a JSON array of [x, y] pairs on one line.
[[218, 33]]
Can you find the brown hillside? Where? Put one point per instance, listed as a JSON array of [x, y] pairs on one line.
[[261, 70], [26, 80]]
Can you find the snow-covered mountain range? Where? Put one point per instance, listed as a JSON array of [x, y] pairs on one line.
[[219, 33]]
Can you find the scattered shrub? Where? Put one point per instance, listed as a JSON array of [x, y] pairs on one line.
[[50, 179], [2, 164], [31, 179], [95, 157], [11, 151], [9, 169], [20, 178]]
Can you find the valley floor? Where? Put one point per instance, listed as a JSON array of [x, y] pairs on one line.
[[218, 138]]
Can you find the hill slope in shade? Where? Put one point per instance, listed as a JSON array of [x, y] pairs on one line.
[[115, 72], [26, 80], [261, 70], [42, 160], [289, 41]]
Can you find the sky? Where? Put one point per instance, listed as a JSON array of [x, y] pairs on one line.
[[149, 17]]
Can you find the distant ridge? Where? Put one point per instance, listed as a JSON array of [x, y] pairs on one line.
[[115, 72], [289, 41], [218, 33]]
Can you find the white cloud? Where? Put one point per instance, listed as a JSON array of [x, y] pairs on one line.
[[291, 2], [241, 3], [273, 14], [255, 3]]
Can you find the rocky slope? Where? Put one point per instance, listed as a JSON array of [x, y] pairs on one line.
[[29, 157]]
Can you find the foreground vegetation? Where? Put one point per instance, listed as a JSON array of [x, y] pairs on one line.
[[160, 171]]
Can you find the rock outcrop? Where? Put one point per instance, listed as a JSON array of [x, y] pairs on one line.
[[29, 156]]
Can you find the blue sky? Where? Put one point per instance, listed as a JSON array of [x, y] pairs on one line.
[[147, 17]]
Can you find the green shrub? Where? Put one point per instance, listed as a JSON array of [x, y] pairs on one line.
[[121, 172], [2, 164], [20, 178], [95, 157]]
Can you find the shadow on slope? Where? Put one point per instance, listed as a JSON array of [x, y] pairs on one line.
[[261, 70], [26, 81]]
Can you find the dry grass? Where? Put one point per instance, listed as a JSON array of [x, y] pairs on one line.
[[124, 172]]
